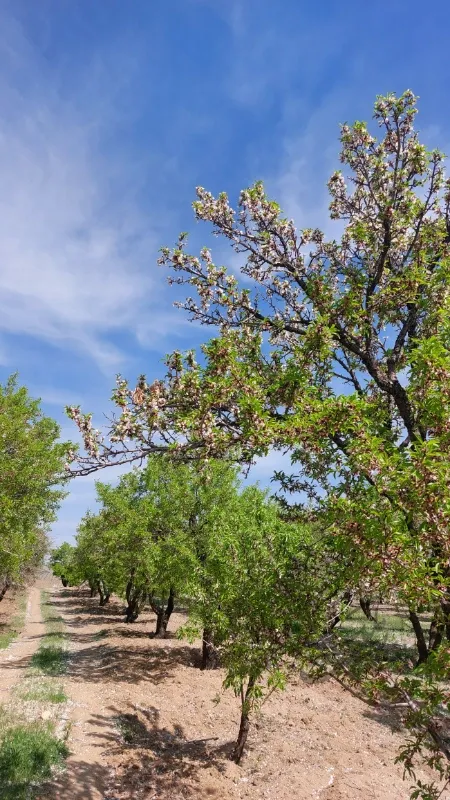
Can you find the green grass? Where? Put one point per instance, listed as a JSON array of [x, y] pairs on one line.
[[102, 634], [39, 690], [13, 628], [29, 750], [391, 635], [29, 753], [51, 657], [49, 660]]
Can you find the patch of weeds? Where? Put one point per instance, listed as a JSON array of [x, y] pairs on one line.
[[50, 660], [390, 635], [101, 634], [13, 628], [28, 755], [126, 729], [51, 657], [41, 691]]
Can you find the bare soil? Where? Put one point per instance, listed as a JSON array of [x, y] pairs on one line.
[[145, 725], [15, 659]]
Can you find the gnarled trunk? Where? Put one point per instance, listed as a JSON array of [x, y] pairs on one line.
[[163, 615], [93, 588], [364, 602], [422, 648], [436, 631], [210, 655], [103, 592], [130, 586], [136, 601]]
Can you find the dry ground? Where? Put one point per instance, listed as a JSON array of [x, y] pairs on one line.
[[145, 725]]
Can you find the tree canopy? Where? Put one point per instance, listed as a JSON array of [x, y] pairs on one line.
[[334, 350], [32, 461]]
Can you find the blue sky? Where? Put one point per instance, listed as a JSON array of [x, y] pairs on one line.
[[111, 112]]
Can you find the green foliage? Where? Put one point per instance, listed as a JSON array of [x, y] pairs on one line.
[[336, 351], [12, 629], [259, 586], [32, 469], [153, 523], [63, 564]]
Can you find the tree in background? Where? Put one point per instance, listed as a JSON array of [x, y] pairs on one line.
[[32, 461], [257, 588], [148, 537]]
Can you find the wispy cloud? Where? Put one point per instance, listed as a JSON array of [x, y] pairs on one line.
[[75, 245]]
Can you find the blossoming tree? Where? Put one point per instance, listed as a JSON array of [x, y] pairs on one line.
[[334, 350]]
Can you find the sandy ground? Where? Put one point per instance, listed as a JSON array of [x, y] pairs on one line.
[[14, 660], [145, 725]]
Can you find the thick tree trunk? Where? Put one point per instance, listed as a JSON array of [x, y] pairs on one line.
[[137, 599], [364, 602], [93, 588], [132, 612], [6, 586], [244, 726], [163, 616], [129, 589], [436, 632], [422, 648], [103, 592], [64, 581], [210, 655]]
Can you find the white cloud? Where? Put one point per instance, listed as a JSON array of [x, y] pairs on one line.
[[75, 248]]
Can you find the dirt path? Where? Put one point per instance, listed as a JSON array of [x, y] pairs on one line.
[[15, 659], [145, 725]]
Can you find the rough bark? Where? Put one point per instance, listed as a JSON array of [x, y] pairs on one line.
[[5, 588], [163, 616], [244, 726], [436, 631], [364, 602], [210, 655], [103, 592], [422, 648], [132, 611], [130, 586], [136, 602]]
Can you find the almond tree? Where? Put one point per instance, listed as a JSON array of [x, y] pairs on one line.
[[262, 590], [31, 477], [334, 350]]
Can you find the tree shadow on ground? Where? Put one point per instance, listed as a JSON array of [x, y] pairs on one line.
[[115, 664], [161, 763], [81, 780], [104, 663], [384, 716]]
